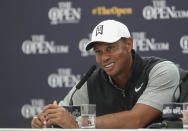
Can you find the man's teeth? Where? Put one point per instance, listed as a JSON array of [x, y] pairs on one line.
[[109, 65]]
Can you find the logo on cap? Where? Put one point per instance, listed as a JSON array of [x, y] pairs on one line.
[[99, 30]]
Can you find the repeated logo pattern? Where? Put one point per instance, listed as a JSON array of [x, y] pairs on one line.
[[43, 45]]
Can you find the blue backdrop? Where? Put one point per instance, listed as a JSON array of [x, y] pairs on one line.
[[42, 45]]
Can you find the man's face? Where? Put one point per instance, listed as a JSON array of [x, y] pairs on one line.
[[114, 58]]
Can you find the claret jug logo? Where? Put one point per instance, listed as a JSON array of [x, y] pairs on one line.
[[38, 45], [142, 43], [65, 13], [30, 110], [82, 47], [159, 10], [184, 44], [64, 78]]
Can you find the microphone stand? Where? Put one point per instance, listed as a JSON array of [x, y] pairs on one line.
[[71, 100]]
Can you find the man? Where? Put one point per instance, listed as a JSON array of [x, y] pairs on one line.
[[129, 91]]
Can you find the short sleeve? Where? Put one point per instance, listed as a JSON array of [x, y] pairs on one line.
[[163, 81]]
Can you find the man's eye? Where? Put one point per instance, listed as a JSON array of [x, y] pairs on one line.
[[97, 51], [110, 48]]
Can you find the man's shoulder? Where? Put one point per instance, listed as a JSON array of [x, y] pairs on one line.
[[164, 71], [152, 60], [164, 66]]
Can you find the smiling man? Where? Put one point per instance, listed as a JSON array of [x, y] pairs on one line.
[[129, 91]]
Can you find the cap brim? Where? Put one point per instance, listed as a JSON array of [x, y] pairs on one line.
[[91, 43]]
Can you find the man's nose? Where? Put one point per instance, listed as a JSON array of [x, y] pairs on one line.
[[105, 57]]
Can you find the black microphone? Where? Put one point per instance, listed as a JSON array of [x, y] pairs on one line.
[[85, 77], [82, 81]]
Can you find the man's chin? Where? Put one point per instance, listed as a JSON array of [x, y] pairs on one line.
[[111, 74]]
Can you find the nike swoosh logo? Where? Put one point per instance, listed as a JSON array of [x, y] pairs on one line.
[[137, 89]]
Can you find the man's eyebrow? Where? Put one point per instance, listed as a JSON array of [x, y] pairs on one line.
[[95, 49]]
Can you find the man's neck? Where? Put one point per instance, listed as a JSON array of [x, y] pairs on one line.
[[121, 81]]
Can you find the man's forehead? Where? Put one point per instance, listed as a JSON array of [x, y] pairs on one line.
[[101, 44]]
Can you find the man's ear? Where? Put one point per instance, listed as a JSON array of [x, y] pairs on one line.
[[129, 43]]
